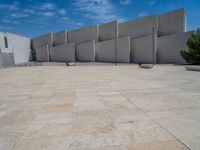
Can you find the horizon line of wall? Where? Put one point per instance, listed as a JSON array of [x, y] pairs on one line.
[[151, 39]]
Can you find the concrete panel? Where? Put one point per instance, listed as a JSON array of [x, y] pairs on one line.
[[42, 54], [192, 67], [6, 60], [107, 31], [169, 48], [83, 35], [20, 46], [43, 40], [86, 51], [21, 55], [138, 28], [60, 38], [17, 41], [6, 50], [123, 50], [105, 51], [171, 23], [63, 53], [142, 50], [2, 40]]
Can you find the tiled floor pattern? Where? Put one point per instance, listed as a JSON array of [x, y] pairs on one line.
[[99, 108]]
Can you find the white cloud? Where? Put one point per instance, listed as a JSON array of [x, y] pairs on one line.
[[48, 14], [16, 3], [19, 15], [65, 18], [6, 28], [47, 6], [125, 2], [77, 23], [9, 6], [100, 10], [15, 22], [39, 14], [10, 21], [6, 21], [142, 14], [29, 11], [62, 11], [46, 9], [151, 3], [38, 21]]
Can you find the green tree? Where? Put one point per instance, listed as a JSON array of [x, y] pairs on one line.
[[192, 55]]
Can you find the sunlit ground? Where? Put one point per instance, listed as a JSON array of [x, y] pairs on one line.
[[99, 108]]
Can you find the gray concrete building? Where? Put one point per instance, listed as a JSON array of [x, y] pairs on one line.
[[151, 39], [14, 49]]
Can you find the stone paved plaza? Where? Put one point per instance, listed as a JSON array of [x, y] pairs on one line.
[[99, 108]]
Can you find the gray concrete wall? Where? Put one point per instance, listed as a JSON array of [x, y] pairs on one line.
[[142, 50], [63, 53], [107, 31], [2, 41], [17, 41], [169, 48], [86, 51], [42, 54], [6, 60], [6, 50], [60, 38], [105, 51], [171, 23], [20, 46], [84, 35], [123, 50], [138, 28], [43, 40], [21, 54]]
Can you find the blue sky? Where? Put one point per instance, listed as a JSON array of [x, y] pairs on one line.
[[34, 17]]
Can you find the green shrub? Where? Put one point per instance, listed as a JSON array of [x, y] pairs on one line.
[[192, 55]]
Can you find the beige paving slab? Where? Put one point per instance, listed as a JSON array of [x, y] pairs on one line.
[[57, 108], [129, 115], [97, 141], [162, 145], [192, 143], [181, 127], [92, 123], [142, 132], [45, 143], [8, 138]]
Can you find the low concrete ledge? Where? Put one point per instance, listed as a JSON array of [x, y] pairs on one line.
[[28, 64], [192, 68], [54, 64], [71, 64], [146, 66]]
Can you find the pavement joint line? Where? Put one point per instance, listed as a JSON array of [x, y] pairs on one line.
[[157, 123]]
